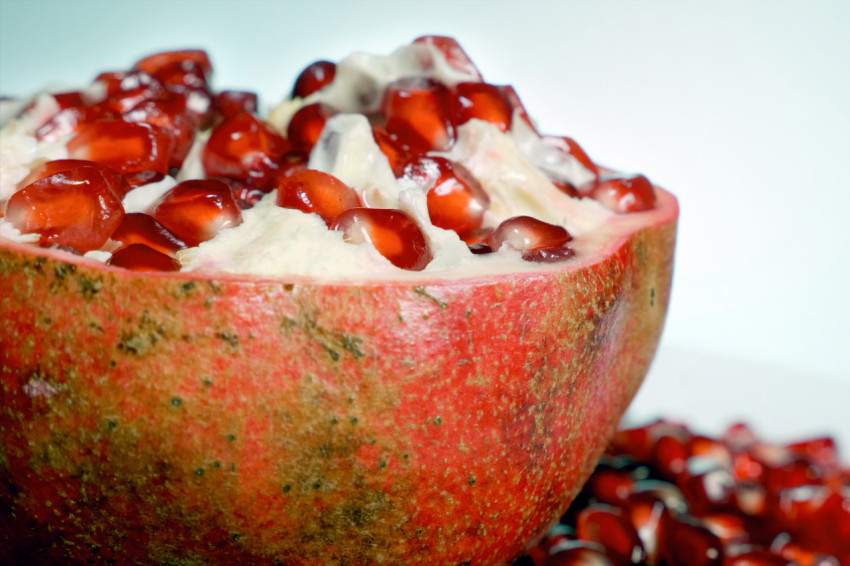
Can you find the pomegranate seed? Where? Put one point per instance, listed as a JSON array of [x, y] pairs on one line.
[[171, 115], [244, 147], [533, 237], [152, 64], [72, 119], [578, 554], [624, 194], [189, 81], [579, 153], [139, 228], [309, 190], [76, 207], [608, 527], [313, 78], [610, 485], [195, 211], [125, 146], [127, 89], [456, 200], [483, 101], [820, 451], [685, 544], [454, 53], [307, 124], [229, 103], [69, 99], [707, 490], [141, 178], [739, 436], [292, 161], [730, 528], [757, 558], [115, 180], [795, 473], [751, 499], [139, 257], [394, 234], [747, 468], [517, 106], [418, 112], [786, 547], [397, 154], [645, 511]]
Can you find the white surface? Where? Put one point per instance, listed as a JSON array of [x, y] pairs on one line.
[[741, 108]]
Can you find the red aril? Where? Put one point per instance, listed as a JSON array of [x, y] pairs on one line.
[[229, 103], [68, 99], [687, 544], [140, 228], [127, 89], [609, 527], [75, 207], [140, 178], [306, 125], [537, 240], [624, 194], [418, 111], [72, 119], [758, 558], [309, 190], [580, 554], [126, 147], [171, 115], [517, 106], [114, 180], [394, 234], [195, 211], [139, 257], [314, 77], [396, 152], [244, 147], [189, 81], [456, 200], [484, 102], [152, 64], [454, 53]]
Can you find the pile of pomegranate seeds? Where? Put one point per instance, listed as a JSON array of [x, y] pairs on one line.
[[140, 125], [663, 495]]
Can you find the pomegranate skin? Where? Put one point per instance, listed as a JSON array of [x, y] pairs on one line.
[[159, 418]]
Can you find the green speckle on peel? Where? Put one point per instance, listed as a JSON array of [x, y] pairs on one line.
[[471, 480], [199, 472], [176, 401], [438, 421], [286, 488]]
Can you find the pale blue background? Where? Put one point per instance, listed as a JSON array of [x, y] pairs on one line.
[[741, 108]]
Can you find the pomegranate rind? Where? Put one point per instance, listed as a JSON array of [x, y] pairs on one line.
[[221, 419]]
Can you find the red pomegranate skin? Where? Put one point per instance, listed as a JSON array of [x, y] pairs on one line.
[[150, 418]]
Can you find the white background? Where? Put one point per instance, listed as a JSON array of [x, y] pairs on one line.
[[741, 108]]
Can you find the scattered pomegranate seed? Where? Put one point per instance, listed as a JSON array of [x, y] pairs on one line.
[[315, 77], [244, 147], [75, 207], [456, 200], [68, 99], [483, 101], [171, 115], [418, 112], [140, 178], [115, 180], [609, 527], [397, 153], [538, 240], [72, 119], [229, 103], [394, 234], [307, 124], [195, 211], [127, 89], [152, 64], [188, 80], [309, 190], [140, 228], [517, 106], [139, 257], [127, 147], [624, 194]]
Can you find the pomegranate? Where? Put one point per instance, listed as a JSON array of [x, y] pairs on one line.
[[329, 377]]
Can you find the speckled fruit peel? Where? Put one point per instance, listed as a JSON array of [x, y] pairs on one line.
[[198, 419]]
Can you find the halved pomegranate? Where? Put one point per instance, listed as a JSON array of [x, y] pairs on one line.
[[295, 396]]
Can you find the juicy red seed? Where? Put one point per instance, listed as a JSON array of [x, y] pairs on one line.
[[821, 451], [394, 234], [480, 248], [709, 448], [72, 119], [757, 558], [292, 161], [174, 118], [484, 102], [139, 228], [69, 99], [314, 77], [195, 211], [126, 147], [76, 207], [139, 257], [796, 473], [685, 544], [552, 254], [525, 233], [708, 491], [456, 200], [229, 103], [397, 153], [645, 511], [154, 63], [307, 124], [578, 556], [579, 153], [244, 147], [624, 194], [610, 485], [309, 190], [418, 111], [127, 89], [454, 53], [608, 527], [739, 436], [670, 455], [730, 528], [114, 180], [567, 188], [517, 106]]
